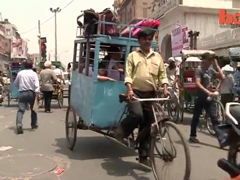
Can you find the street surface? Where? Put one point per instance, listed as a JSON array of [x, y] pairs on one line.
[[39, 154]]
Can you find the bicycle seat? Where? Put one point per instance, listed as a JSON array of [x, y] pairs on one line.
[[122, 98], [235, 112]]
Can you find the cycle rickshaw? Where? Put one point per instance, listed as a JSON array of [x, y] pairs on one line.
[[188, 91], [13, 92], [58, 93], [100, 106]]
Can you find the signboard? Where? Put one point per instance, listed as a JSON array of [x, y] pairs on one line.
[[19, 48], [186, 42], [164, 7], [223, 37], [179, 39]]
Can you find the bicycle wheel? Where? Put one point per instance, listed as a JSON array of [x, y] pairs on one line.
[[173, 110], [71, 127], [220, 116], [170, 156]]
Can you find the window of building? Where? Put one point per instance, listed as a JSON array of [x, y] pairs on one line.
[[145, 3], [133, 2], [8, 32], [145, 14]]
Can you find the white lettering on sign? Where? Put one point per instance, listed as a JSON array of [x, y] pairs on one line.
[[107, 91]]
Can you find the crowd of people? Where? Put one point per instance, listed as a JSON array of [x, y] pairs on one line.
[[30, 85]]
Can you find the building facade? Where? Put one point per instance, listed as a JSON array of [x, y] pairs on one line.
[[8, 32], [3, 55], [201, 15], [132, 11]]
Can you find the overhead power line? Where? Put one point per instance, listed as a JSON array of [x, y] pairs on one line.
[[32, 29]]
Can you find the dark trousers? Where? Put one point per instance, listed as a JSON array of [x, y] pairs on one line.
[[26, 98], [47, 100], [140, 115], [210, 107], [225, 98]]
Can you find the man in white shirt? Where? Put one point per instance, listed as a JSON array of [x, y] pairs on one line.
[[59, 73], [28, 84], [226, 86], [115, 68], [173, 74]]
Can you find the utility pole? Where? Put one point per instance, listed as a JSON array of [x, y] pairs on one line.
[[55, 11], [39, 41]]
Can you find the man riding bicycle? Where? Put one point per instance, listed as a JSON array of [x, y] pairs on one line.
[[145, 72]]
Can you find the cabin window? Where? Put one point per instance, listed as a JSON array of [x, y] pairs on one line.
[[113, 63]]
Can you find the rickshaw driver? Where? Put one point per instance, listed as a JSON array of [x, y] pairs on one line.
[[173, 74], [145, 71], [203, 79]]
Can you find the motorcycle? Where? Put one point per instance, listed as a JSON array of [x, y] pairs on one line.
[[231, 165]]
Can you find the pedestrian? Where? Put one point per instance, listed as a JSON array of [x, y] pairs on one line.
[[237, 79], [28, 84], [173, 74], [203, 79], [226, 86], [145, 73], [47, 79]]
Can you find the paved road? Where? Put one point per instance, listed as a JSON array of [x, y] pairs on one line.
[[36, 155]]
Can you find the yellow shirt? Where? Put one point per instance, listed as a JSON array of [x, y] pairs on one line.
[[145, 72]]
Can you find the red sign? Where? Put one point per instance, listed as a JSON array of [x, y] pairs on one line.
[[228, 18]]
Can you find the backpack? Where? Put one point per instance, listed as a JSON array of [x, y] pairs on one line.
[[90, 17], [91, 27]]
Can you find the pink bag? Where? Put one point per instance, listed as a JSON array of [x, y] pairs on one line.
[[150, 23]]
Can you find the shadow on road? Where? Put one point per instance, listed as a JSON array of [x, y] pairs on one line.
[[186, 121], [117, 167], [94, 147]]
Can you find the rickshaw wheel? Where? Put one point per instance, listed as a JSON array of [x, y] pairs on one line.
[[164, 154], [60, 99], [69, 95], [71, 115]]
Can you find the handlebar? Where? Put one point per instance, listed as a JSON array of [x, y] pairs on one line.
[[161, 89], [151, 99]]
